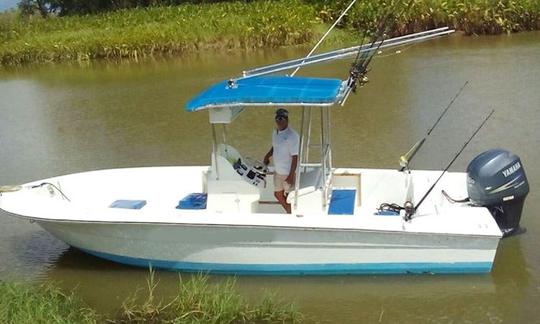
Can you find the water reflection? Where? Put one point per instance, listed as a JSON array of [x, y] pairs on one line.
[[399, 298], [27, 252]]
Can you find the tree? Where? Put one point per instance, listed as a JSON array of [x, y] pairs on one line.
[[82, 7], [29, 7]]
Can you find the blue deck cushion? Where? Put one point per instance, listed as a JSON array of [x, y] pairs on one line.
[[128, 204], [342, 202], [273, 90], [193, 201]]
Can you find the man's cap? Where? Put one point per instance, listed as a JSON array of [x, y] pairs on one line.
[[282, 112]]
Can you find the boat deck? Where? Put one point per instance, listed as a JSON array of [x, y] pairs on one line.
[[92, 193]]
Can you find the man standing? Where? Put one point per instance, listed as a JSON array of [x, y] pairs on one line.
[[284, 150]]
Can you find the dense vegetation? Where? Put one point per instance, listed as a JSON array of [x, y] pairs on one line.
[[197, 301], [150, 30], [470, 16], [78, 7], [135, 33]]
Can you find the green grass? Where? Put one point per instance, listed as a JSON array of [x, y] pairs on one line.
[[20, 303], [138, 33], [196, 301], [238, 25], [469, 16]]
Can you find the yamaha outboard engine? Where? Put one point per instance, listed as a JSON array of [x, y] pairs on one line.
[[496, 180]]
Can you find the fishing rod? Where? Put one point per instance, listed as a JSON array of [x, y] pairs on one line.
[[409, 208], [358, 71], [362, 58], [404, 160], [359, 68]]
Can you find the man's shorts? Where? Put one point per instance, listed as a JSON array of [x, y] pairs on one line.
[[280, 184]]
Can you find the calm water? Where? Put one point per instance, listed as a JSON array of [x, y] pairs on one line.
[[64, 119]]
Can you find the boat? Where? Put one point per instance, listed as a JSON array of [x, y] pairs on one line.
[[223, 218]]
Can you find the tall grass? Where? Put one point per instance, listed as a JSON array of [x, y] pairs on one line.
[[198, 301], [137, 33], [469, 16], [228, 25], [21, 303]]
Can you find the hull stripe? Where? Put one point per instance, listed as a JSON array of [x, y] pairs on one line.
[[302, 269]]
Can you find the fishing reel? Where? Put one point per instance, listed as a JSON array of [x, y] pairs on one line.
[[409, 209], [252, 171], [395, 209], [357, 78]]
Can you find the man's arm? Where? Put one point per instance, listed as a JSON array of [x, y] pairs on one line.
[[268, 156], [292, 173]]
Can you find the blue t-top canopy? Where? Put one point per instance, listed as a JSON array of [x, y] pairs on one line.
[[269, 90]]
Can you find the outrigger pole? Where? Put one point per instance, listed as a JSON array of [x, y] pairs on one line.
[[325, 35], [344, 53]]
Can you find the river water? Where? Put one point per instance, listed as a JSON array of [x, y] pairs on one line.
[[62, 119]]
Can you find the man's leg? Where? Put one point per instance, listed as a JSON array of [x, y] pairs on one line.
[[280, 196]]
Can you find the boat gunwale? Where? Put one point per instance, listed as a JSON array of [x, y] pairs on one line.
[[337, 170], [319, 229]]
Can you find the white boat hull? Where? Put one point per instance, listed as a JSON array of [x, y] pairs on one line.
[[263, 250], [443, 239]]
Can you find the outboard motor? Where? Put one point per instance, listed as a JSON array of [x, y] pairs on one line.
[[496, 180]]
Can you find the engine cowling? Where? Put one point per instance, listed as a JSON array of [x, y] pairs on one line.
[[496, 180]]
